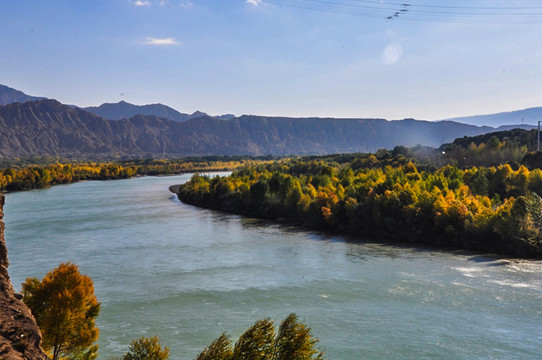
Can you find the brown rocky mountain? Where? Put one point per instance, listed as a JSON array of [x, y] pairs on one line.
[[47, 127], [20, 337]]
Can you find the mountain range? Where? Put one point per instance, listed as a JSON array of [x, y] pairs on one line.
[[47, 127]]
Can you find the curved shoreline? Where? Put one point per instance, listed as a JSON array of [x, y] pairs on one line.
[[409, 227], [175, 188], [426, 245]]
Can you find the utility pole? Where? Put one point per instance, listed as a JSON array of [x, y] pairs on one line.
[[538, 138]]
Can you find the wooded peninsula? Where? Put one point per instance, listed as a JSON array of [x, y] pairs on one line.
[[397, 195]]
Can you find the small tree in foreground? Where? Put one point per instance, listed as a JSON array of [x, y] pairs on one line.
[[220, 349], [65, 309], [256, 343], [292, 342], [147, 349]]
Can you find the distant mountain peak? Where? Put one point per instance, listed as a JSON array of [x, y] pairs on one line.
[[197, 114], [125, 110], [9, 95], [225, 117]]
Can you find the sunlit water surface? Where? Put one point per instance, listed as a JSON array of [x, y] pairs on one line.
[[164, 268]]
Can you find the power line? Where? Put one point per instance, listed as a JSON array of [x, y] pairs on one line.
[[451, 6], [419, 12]]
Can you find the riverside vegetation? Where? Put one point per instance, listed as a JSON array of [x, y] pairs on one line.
[[38, 173], [394, 195]]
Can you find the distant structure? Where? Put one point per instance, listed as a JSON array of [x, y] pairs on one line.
[[538, 138]]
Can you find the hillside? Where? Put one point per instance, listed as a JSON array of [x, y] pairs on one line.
[[48, 127], [517, 136]]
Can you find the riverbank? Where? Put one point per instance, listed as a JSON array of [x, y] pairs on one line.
[[42, 176]]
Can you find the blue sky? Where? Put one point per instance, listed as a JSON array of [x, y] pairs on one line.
[[339, 58]]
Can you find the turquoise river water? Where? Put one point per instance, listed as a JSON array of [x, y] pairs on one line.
[[164, 268]]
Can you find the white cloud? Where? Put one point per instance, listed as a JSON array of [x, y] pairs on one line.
[[164, 41], [254, 2], [163, 3]]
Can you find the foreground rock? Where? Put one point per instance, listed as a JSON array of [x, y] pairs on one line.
[[20, 337]]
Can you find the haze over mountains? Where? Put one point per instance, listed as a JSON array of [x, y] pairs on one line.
[[528, 118], [47, 127]]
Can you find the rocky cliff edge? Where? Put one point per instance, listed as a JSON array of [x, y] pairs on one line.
[[20, 337]]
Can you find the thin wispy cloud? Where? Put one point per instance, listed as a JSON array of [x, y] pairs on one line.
[[163, 3], [161, 41], [254, 2]]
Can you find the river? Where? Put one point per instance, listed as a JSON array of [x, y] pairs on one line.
[[161, 267]]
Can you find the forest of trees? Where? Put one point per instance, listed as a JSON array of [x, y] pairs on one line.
[[39, 176], [494, 209]]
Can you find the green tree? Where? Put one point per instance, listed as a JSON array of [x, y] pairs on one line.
[[259, 189], [257, 342], [147, 349], [90, 353], [65, 309], [220, 349], [294, 341]]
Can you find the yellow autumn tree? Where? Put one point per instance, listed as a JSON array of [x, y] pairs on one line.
[[65, 308], [147, 349]]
